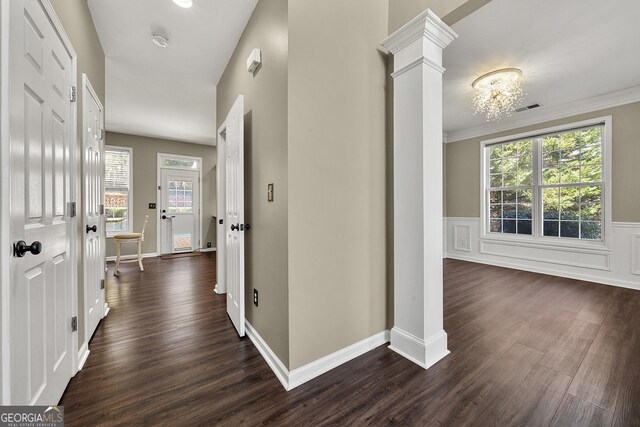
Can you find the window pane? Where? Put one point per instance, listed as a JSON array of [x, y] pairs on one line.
[[524, 227], [181, 199], [116, 211], [509, 211], [569, 212], [509, 226], [117, 166], [551, 228], [524, 196], [496, 152], [495, 211], [180, 163], [496, 226], [496, 180], [569, 229], [495, 196], [524, 211], [551, 176], [509, 196], [590, 230], [591, 195]]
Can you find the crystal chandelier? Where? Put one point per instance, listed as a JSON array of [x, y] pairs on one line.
[[497, 93]]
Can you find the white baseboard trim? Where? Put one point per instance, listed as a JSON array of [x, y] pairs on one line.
[[83, 355], [278, 368], [424, 353], [134, 256], [106, 311], [208, 250], [301, 375], [544, 270], [318, 367]]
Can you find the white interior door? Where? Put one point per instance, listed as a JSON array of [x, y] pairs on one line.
[[93, 199], [180, 210], [234, 213], [40, 79]]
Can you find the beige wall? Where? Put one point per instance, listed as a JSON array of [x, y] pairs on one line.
[[265, 98], [337, 246], [145, 184], [463, 165], [451, 11], [78, 24]]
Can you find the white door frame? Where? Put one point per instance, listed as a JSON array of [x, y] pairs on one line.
[[220, 287], [159, 196], [89, 93], [5, 174]]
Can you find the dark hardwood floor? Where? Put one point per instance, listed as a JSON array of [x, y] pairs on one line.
[[526, 349]]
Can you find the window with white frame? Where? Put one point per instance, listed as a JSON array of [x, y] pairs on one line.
[[547, 186], [117, 189]]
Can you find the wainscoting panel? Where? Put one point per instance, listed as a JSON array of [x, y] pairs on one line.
[[635, 254], [619, 266]]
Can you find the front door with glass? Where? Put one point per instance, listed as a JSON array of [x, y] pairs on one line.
[[180, 211]]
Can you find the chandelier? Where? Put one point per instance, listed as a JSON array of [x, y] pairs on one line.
[[497, 93]]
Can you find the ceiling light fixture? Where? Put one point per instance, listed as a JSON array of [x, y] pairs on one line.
[[497, 93], [160, 40], [184, 3]]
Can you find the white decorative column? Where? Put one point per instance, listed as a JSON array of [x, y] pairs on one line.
[[418, 332]]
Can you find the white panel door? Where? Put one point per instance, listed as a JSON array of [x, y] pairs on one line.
[[234, 214], [40, 77], [93, 199], [180, 214]]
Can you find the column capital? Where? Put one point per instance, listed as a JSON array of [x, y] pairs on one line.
[[419, 41], [427, 25]]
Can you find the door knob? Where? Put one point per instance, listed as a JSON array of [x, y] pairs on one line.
[[247, 226], [94, 229], [235, 227], [21, 248], [163, 217]]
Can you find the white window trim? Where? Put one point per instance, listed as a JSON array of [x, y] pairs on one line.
[[536, 239], [110, 234]]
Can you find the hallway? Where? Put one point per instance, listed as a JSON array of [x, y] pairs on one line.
[[524, 345]]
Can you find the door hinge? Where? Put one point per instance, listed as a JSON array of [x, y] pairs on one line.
[[72, 209], [101, 283], [101, 209], [73, 95], [159, 187], [74, 324]]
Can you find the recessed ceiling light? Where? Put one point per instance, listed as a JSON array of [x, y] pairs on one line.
[[184, 3], [160, 40]]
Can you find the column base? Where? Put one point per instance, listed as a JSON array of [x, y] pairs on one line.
[[424, 353]]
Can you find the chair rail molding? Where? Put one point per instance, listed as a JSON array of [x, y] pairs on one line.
[[418, 333]]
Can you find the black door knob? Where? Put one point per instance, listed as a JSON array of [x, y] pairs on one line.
[[247, 226], [163, 217], [235, 227], [21, 248], [94, 228]]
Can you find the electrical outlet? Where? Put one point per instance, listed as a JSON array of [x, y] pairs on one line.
[[255, 297], [152, 205]]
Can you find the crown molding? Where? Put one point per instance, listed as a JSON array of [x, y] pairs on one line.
[[427, 25], [545, 114]]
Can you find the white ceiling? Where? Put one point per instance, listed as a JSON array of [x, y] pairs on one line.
[[167, 93], [568, 51]]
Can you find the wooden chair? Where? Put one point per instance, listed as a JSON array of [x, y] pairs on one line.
[[138, 238]]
